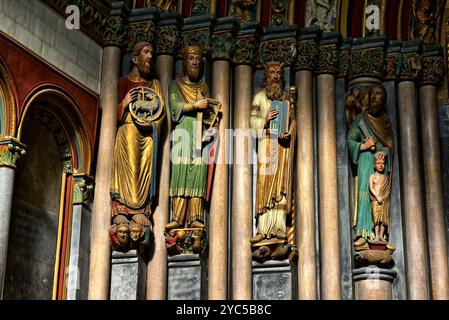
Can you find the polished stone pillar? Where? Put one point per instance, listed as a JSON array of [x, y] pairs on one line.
[[100, 257], [10, 150], [307, 279], [218, 217], [415, 233], [327, 169], [373, 283], [436, 233], [242, 212], [157, 266]]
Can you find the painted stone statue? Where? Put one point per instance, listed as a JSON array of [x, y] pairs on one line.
[[133, 181], [273, 120], [370, 145], [195, 118]]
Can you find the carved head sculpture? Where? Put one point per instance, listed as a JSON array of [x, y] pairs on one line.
[[123, 233], [377, 97], [136, 231], [193, 62], [379, 161], [274, 80], [142, 55]]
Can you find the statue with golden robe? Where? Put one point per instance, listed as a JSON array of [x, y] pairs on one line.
[[133, 182], [195, 118], [273, 119]]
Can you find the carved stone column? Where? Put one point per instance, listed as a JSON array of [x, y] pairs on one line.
[[327, 167], [433, 69], [305, 185], [415, 232], [242, 213], [222, 40], [77, 280], [100, 255], [373, 283], [10, 150], [167, 45]]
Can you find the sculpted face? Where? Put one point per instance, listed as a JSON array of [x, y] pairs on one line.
[[123, 234], [377, 100], [273, 81], [379, 165], [193, 66], [136, 233], [143, 60]]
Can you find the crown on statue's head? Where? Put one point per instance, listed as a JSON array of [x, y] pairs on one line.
[[192, 49]]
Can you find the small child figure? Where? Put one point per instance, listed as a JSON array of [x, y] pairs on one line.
[[377, 186]]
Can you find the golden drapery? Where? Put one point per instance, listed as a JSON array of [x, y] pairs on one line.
[[133, 172]]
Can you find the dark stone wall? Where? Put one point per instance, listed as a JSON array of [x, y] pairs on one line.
[[34, 218], [443, 115]]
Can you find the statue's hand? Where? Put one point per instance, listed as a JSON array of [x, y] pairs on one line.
[[285, 136], [130, 96], [201, 104], [368, 144], [272, 114], [209, 134]]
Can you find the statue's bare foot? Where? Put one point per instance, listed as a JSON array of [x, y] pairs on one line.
[[120, 219], [171, 225], [257, 238], [281, 235], [141, 219], [197, 224]]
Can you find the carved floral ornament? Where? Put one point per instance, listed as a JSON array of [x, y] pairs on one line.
[[10, 151]]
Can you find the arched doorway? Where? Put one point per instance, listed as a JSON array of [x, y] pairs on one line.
[[39, 247]]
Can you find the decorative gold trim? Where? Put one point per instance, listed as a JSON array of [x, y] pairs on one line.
[[81, 133], [344, 17], [364, 19], [399, 26], [10, 103], [60, 229], [291, 12], [69, 241], [383, 16]]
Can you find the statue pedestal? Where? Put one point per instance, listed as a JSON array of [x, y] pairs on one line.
[[373, 283], [128, 276], [187, 274], [274, 280]]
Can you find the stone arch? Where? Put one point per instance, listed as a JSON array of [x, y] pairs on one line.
[[7, 102]]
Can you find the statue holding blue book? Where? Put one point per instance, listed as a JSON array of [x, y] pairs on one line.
[[273, 120]]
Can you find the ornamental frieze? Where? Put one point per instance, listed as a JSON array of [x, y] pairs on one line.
[[140, 32], [282, 50], [367, 62], [168, 39], [327, 59], [432, 70], [306, 52]]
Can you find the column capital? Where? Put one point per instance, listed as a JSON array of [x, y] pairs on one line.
[[344, 57], [10, 150], [223, 38], [245, 46], [83, 189], [374, 273], [142, 26], [432, 65], [367, 57], [411, 64], [169, 33], [279, 45], [197, 31], [393, 60], [307, 48], [328, 53], [115, 32]]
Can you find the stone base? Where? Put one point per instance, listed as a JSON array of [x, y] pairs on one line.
[[274, 280], [271, 249], [373, 283], [128, 276], [187, 274]]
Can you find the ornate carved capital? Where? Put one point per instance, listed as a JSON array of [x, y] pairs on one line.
[[306, 54], [393, 61], [367, 57], [140, 31], [344, 57], [280, 50], [328, 53], [246, 45], [223, 38], [432, 65], [83, 189], [197, 31], [10, 150], [115, 31], [411, 64]]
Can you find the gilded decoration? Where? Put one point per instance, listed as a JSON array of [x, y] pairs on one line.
[[140, 31], [392, 65], [164, 5], [282, 50], [425, 19], [115, 33], [327, 59], [168, 39], [243, 10], [279, 13], [370, 146], [245, 50], [306, 55], [10, 151], [432, 70], [367, 62]]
